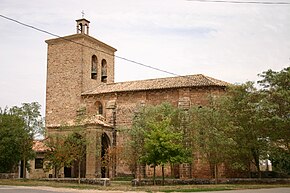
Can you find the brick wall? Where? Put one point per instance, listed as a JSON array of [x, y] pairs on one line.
[[69, 74], [127, 103]]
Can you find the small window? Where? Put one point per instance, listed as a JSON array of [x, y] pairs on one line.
[[38, 163], [80, 28], [94, 67], [104, 71], [99, 107]]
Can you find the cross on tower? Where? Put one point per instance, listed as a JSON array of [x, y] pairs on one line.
[[83, 14]]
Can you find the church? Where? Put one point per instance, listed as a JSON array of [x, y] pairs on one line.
[[80, 82]]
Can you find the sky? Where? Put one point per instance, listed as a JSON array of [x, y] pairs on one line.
[[230, 42]]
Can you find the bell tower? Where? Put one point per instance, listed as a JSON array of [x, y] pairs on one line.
[[83, 26], [75, 64]]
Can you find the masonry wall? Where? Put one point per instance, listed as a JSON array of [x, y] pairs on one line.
[[69, 74], [127, 103]]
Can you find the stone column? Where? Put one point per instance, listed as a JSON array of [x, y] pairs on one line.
[[98, 157], [91, 153]]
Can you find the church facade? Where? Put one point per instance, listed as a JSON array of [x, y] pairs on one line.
[[80, 83]]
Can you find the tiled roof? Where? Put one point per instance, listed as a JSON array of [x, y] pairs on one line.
[[198, 80], [92, 120], [39, 146]]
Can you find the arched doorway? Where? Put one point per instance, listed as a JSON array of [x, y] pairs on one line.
[[104, 154]]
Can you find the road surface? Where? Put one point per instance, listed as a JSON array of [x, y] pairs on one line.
[[41, 189]]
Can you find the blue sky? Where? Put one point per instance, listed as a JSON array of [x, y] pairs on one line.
[[231, 42]]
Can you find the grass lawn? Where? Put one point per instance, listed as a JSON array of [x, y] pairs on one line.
[[126, 186]]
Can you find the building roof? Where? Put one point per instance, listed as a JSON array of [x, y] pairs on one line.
[[72, 38], [88, 120], [39, 146], [197, 80]]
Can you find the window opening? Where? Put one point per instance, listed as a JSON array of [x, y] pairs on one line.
[[38, 163], [94, 67], [104, 71], [99, 107]]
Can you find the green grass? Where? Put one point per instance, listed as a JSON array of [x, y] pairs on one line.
[[199, 189], [126, 186]]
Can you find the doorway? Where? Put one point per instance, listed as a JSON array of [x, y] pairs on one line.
[[104, 155], [67, 172]]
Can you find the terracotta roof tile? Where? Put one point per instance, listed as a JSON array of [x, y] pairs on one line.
[[92, 120], [198, 80], [39, 146]]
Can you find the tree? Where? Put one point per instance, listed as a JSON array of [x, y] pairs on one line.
[[30, 114], [12, 135], [163, 146], [243, 104], [58, 154], [156, 137], [210, 125], [65, 150], [275, 108], [77, 145]]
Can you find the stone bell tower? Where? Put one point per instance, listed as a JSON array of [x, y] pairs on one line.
[[83, 26], [75, 64]]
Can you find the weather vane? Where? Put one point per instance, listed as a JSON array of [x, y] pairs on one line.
[[83, 14]]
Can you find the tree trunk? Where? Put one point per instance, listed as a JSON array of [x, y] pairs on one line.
[[79, 173], [255, 154], [24, 168], [162, 175], [216, 173], [154, 174]]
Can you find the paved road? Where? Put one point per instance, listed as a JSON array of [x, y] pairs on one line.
[[24, 189]]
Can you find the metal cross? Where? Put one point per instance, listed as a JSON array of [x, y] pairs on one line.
[[83, 13]]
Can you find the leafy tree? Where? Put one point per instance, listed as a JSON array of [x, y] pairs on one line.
[[57, 155], [65, 150], [26, 142], [12, 135], [77, 145], [30, 114], [242, 103], [210, 125], [162, 146], [156, 137], [275, 107]]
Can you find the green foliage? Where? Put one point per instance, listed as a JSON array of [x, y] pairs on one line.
[[65, 150], [30, 113], [211, 127], [15, 141], [157, 136], [162, 145], [242, 103], [275, 108]]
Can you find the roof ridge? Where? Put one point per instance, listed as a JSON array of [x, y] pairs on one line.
[[209, 79], [151, 79], [196, 80]]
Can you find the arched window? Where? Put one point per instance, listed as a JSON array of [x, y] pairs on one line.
[[94, 67], [104, 71], [80, 28], [99, 107]]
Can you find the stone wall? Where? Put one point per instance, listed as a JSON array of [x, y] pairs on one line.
[[125, 104], [69, 74], [8, 175]]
